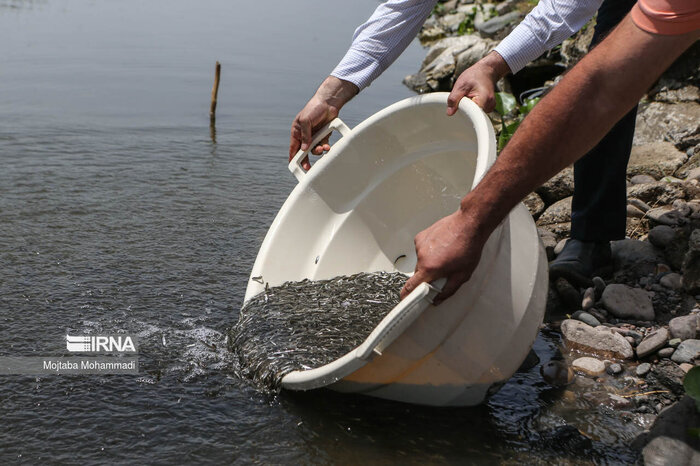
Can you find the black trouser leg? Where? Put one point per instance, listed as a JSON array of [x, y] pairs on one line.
[[600, 192]]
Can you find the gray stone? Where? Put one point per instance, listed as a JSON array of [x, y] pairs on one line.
[[656, 193], [599, 285], [657, 159], [569, 295], [558, 187], [693, 174], [666, 352], [589, 366], [685, 327], [587, 318], [534, 204], [619, 402], [687, 351], [493, 25], [470, 55], [665, 215], [641, 179], [652, 343], [614, 369], [558, 212], [658, 121], [637, 258], [600, 340], [671, 280], [588, 299], [691, 264], [674, 342], [625, 302], [661, 235], [643, 206], [549, 241], [556, 373], [560, 246], [597, 314], [668, 374], [643, 369], [634, 212]]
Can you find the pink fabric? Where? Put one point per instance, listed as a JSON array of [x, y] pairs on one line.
[[667, 17]]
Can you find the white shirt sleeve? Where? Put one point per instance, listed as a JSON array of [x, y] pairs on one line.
[[381, 39], [545, 27]]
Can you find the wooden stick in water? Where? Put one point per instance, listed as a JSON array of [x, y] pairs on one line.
[[214, 94]]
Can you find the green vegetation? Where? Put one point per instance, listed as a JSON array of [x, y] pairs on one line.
[[691, 384], [506, 107]]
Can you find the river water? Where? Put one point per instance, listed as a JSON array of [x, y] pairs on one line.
[[121, 212]]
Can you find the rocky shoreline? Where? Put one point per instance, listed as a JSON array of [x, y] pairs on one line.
[[634, 333]]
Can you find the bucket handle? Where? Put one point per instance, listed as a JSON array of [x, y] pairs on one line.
[[295, 165]]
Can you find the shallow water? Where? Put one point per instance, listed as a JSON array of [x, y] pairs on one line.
[[119, 213]]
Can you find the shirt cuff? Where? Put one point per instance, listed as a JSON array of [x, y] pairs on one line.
[[357, 68], [519, 48]]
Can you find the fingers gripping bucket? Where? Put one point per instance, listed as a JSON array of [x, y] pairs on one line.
[[359, 208]]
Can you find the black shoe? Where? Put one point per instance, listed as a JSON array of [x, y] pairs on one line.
[[580, 261]]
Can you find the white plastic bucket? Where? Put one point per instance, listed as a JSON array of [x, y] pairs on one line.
[[359, 208]]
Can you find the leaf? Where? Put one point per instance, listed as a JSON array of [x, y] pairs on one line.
[[528, 105], [691, 383], [505, 103], [506, 133]]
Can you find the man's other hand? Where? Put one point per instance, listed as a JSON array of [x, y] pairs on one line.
[[323, 107], [478, 82]]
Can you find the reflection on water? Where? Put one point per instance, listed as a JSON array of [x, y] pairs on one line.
[[121, 212]]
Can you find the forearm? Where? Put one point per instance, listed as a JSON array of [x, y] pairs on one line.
[[569, 121], [336, 92]]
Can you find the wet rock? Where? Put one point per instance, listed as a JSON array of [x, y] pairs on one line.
[[666, 215], [643, 369], [558, 187], [687, 351], [667, 374], [634, 212], [599, 285], [494, 25], [652, 343], [557, 373], [661, 236], [588, 299], [569, 295], [671, 280], [564, 437], [641, 179], [549, 241], [637, 258], [666, 352], [626, 302], [657, 159], [669, 441], [534, 204], [619, 402], [657, 193], [691, 264], [600, 340], [558, 212], [614, 369], [589, 366], [587, 318], [685, 327]]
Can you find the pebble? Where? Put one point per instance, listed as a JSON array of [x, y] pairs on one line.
[[666, 352], [620, 402], [556, 373], [687, 351], [674, 342], [631, 341], [587, 318], [685, 327], [588, 299], [652, 343], [614, 369], [568, 294], [642, 179], [643, 369], [641, 205], [634, 212], [685, 367], [626, 302], [662, 269], [672, 280], [597, 314], [589, 366], [661, 236], [599, 285]]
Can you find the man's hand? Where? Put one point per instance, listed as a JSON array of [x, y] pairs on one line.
[[451, 249], [323, 107], [478, 82]]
